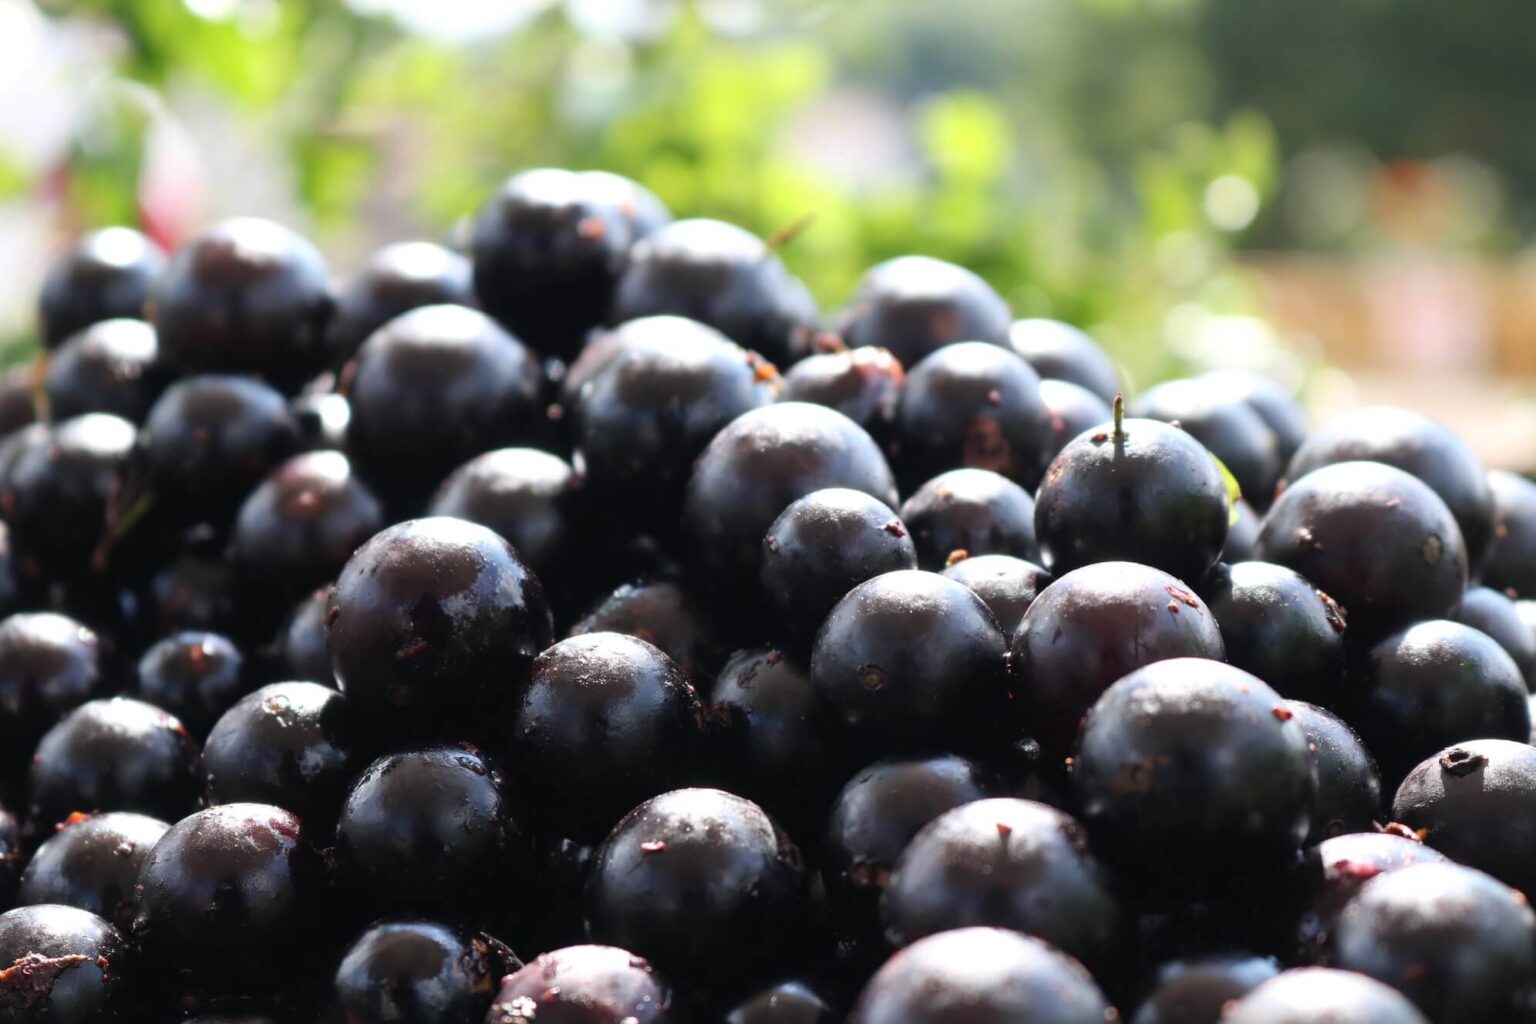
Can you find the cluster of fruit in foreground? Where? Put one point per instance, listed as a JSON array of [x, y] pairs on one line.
[[584, 630]]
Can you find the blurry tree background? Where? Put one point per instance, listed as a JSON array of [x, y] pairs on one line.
[[1098, 160]]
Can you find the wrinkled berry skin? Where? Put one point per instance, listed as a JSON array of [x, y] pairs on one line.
[[704, 883], [398, 278], [1005, 863], [93, 864], [915, 305], [118, 754], [1512, 554], [428, 831], [1475, 802], [104, 275], [822, 546], [293, 745], [548, 250], [49, 664], [110, 367], [912, 661], [1006, 585], [1348, 783], [1458, 943], [1150, 494], [433, 388], [607, 720], [864, 384], [1335, 869], [1376, 540], [972, 404], [970, 512], [1194, 990], [195, 676], [1317, 995], [1416, 444], [1277, 625], [1091, 627], [723, 276], [64, 965], [997, 976], [1194, 774], [228, 896], [433, 625], [584, 985], [1491, 612], [757, 465], [1434, 684], [422, 971], [1061, 352], [245, 295]]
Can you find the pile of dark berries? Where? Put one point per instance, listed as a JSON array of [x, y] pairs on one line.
[[585, 629]]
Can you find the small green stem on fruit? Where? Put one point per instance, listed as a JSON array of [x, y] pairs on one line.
[[1119, 408]]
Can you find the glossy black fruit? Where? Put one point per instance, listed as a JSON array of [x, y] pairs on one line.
[[192, 591], [48, 664], [669, 614], [93, 864], [1280, 627], [1317, 995], [1142, 491], [914, 305], [1006, 585], [55, 489], [972, 404], [421, 971], [1474, 803], [863, 384], [293, 745], [433, 388], [773, 739], [723, 276], [756, 466], [1334, 871], [428, 830], [643, 418], [228, 896], [912, 661], [300, 525], [104, 275], [1061, 352], [1418, 445], [433, 625], [702, 882], [245, 295], [1490, 612], [524, 494], [788, 1002], [996, 976], [1512, 554], [1073, 409], [195, 676], [1195, 990], [1229, 428], [209, 440], [1193, 773], [822, 546], [1432, 685], [114, 755], [876, 815], [1009, 864], [323, 418], [606, 722], [1275, 404], [549, 248], [397, 279], [1458, 943], [1242, 534], [970, 512], [1091, 627], [112, 366], [584, 985], [63, 966], [1372, 537], [1348, 784], [303, 651], [16, 405]]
